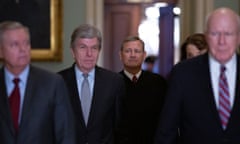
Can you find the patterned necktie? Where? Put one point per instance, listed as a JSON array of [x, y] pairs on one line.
[[224, 99], [14, 101], [134, 79], [86, 99]]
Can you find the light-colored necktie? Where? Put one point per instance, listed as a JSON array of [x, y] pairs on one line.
[[224, 98], [86, 98], [14, 102]]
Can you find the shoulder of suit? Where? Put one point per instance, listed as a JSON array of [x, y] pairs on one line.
[[152, 76], [108, 73], [42, 73], [66, 70]]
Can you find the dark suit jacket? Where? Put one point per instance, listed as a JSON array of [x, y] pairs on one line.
[[143, 103], [190, 105], [105, 113], [46, 114]]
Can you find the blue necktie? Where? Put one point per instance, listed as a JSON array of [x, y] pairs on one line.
[[86, 98]]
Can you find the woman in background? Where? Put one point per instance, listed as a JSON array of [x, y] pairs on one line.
[[194, 45]]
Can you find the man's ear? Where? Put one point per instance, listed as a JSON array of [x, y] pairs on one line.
[[120, 55]]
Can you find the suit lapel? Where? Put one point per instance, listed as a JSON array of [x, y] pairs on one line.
[[235, 113], [96, 100], [4, 107], [29, 92], [74, 95], [208, 92]]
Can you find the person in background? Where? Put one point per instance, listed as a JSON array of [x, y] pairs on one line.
[[193, 45], [34, 103], [97, 112], [144, 93], [149, 63], [203, 100]]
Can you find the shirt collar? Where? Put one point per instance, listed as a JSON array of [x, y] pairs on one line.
[[130, 76], [79, 73], [22, 76], [229, 65]]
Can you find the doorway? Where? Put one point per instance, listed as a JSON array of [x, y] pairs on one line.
[[122, 19]]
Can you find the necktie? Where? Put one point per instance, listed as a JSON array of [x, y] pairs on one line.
[[224, 99], [14, 101], [134, 79], [86, 99]]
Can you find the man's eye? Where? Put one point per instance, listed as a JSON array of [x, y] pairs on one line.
[[95, 48], [213, 33], [82, 47], [126, 51]]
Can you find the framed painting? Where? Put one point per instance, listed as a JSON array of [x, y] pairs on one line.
[[44, 20]]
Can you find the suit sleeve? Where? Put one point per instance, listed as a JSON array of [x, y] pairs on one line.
[[120, 136], [167, 131], [63, 115]]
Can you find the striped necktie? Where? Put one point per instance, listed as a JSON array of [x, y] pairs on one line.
[[224, 98]]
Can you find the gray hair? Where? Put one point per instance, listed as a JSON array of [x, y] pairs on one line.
[[133, 38], [11, 25], [86, 31]]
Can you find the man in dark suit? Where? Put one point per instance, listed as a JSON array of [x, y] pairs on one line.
[[98, 114], [39, 112], [144, 94], [203, 101]]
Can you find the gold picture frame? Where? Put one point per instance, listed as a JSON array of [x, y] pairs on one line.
[[54, 53]]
